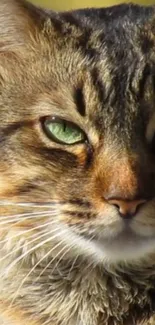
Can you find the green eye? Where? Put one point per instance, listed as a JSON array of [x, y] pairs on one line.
[[62, 131]]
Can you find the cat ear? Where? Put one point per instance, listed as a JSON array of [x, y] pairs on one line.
[[19, 21]]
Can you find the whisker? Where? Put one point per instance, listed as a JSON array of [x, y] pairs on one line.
[[26, 218], [91, 261], [70, 247], [78, 256], [28, 243], [32, 204], [32, 249], [53, 259], [72, 313], [28, 230], [72, 266], [28, 214], [34, 267], [60, 259], [44, 257]]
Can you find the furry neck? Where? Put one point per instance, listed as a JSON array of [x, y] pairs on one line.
[[67, 293]]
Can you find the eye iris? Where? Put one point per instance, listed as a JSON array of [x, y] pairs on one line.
[[63, 132]]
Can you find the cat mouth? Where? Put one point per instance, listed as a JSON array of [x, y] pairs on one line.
[[116, 242], [125, 245], [127, 231], [127, 235]]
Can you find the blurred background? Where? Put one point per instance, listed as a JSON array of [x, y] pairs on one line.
[[71, 4]]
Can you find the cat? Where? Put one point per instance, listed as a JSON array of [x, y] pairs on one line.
[[77, 166]]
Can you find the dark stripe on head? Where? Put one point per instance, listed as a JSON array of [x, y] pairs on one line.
[[68, 17], [90, 53], [79, 101], [98, 84], [142, 83], [57, 24], [147, 44], [87, 50], [81, 41], [10, 129], [130, 80]]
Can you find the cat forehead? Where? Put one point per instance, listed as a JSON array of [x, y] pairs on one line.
[[117, 38], [104, 52], [121, 21], [113, 17]]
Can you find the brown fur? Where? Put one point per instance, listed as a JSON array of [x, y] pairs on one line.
[[94, 68]]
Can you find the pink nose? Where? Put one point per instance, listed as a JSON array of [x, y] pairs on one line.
[[126, 208]]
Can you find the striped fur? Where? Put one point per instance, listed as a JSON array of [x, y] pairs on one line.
[[66, 255]]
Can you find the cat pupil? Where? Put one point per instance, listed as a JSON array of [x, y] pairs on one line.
[[64, 127]]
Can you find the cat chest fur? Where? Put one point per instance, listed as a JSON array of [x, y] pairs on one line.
[[87, 296]]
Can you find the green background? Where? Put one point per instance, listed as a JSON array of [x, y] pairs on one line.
[[70, 4]]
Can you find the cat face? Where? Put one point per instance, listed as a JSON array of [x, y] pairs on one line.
[[77, 170]]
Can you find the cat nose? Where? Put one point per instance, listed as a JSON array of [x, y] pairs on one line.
[[127, 209]]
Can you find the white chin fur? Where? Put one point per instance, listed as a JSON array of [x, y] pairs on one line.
[[120, 250], [125, 246]]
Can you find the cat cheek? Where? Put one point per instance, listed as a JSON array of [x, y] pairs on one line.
[[6, 188], [81, 154]]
